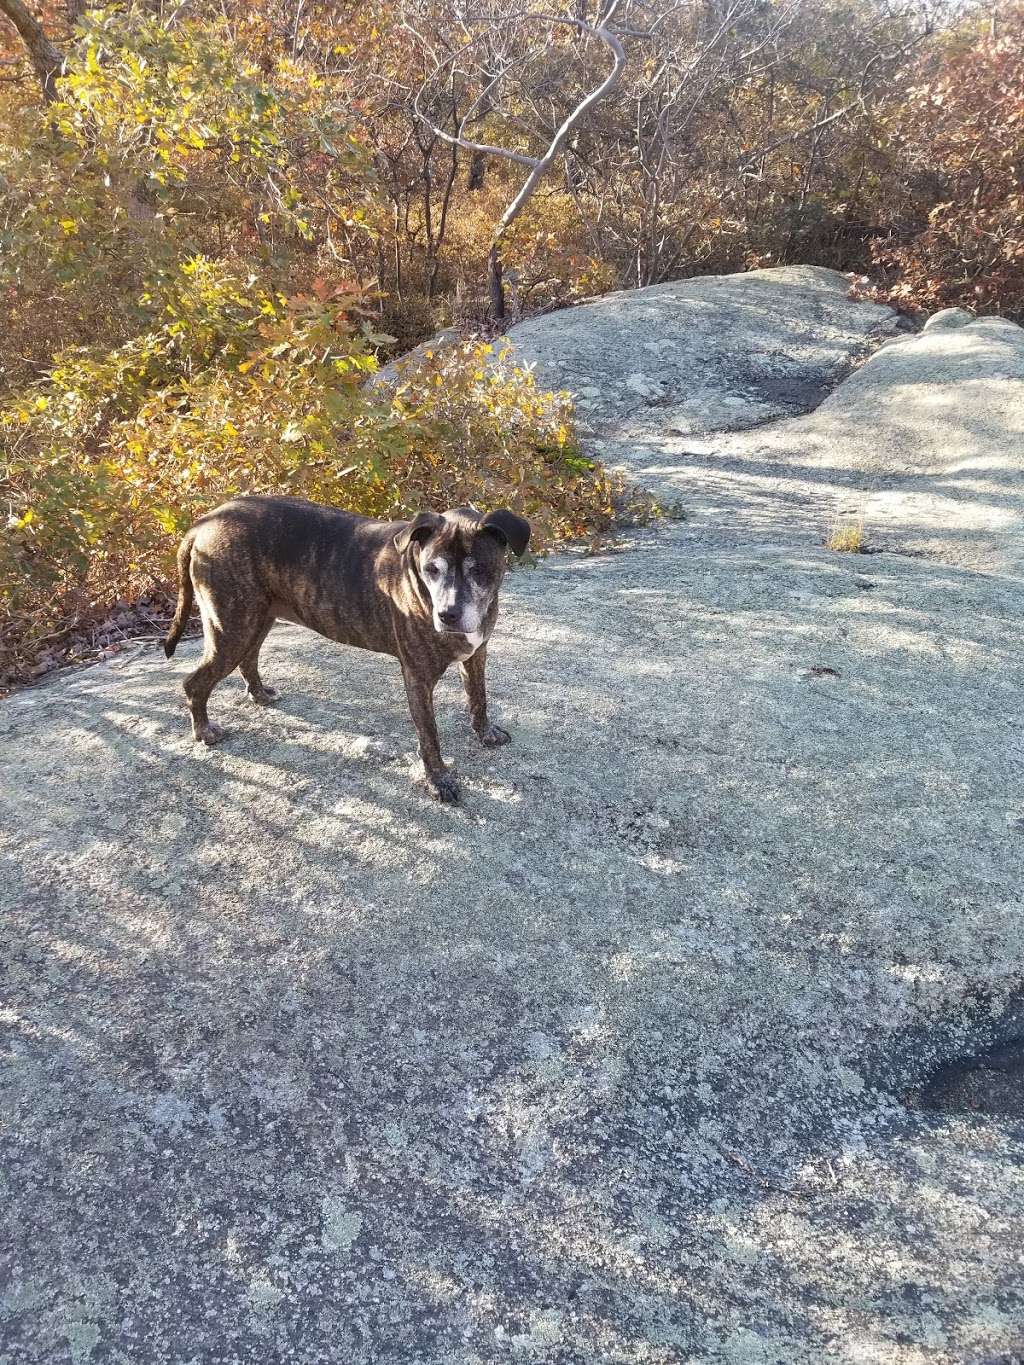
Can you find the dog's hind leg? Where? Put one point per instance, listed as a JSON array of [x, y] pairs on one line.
[[250, 670], [228, 638]]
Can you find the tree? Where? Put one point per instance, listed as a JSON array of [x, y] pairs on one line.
[[44, 56], [486, 98]]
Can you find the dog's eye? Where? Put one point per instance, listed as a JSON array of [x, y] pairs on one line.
[[431, 569]]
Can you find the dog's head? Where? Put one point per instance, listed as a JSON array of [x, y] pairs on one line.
[[460, 560]]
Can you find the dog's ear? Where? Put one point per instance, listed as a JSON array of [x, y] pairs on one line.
[[423, 524], [511, 530]]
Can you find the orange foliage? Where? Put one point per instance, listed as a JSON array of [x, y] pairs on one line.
[[955, 215]]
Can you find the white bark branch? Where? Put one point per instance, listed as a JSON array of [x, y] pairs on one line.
[[542, 165], [538, 165]]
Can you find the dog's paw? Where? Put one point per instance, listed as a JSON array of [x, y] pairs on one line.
[[208, 733], [264, 696], [493, 737], [443, 787]]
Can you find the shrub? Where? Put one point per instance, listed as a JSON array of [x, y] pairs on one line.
[[166, 142], [111, 458], [954, 212], [178, 236]]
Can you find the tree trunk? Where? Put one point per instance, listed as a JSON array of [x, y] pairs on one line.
[[478, 160], [477, 170], [45, 58], [442, 224], [495, 284]]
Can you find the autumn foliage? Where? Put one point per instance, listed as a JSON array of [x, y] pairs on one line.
[[187, 321], [952, 231]]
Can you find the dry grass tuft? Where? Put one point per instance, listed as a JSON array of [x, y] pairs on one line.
[[847, 536]]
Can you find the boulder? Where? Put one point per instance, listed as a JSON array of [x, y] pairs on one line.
[[717, 353], [948, 319]]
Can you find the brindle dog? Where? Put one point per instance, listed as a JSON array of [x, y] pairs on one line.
[[424, 590]]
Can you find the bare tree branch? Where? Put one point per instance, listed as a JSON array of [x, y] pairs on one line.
[[855, 106], [541, 166], [538, 166], [459, 139]]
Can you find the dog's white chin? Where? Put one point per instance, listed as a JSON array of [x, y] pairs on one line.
[[463, 628], [473, 638]]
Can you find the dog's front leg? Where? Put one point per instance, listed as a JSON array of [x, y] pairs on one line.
[[472, 673], [419, 688]]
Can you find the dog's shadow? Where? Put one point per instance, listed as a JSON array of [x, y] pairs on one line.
[[335, 738]]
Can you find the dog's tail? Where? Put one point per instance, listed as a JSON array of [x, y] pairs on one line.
[[185, 596]]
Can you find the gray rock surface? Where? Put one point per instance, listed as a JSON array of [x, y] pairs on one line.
[[719, 353], [946, 319], [641, 1054], [923, 444]]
